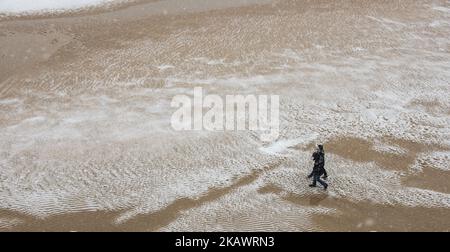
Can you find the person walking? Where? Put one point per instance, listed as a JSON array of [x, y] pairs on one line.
[[319, 168]]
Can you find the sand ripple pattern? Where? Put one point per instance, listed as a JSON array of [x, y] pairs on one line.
[[88, 128]]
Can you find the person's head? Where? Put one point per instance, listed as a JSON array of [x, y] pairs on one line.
[[320, 147]]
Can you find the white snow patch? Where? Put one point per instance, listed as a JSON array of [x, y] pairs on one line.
[[437, 160], [387, 148], [441, 8], [164, 67], [21, 6], [281, 147]]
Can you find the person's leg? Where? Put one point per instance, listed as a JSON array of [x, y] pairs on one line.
[[314, 180], [325, 185]]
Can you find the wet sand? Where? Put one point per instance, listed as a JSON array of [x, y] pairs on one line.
[[86, 143]]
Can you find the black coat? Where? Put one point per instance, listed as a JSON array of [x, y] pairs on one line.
[[319, 161]]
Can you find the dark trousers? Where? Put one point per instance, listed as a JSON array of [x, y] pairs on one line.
[[316, 179], [323, 172]]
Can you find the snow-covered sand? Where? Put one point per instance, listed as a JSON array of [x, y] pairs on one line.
[[85, 117]]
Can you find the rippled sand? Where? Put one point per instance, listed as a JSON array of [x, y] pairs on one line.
[[86, 142]]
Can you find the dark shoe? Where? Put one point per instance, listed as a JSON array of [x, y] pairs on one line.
[[312, 185], [325, 187]]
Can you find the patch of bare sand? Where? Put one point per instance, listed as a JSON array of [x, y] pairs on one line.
[[365, 216], [83, 222], [431, 179], [21, 50], [361, 150]]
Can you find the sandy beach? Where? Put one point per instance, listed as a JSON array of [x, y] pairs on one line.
[[86, 142]]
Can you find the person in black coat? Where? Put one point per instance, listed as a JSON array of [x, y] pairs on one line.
[[319, 168]]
